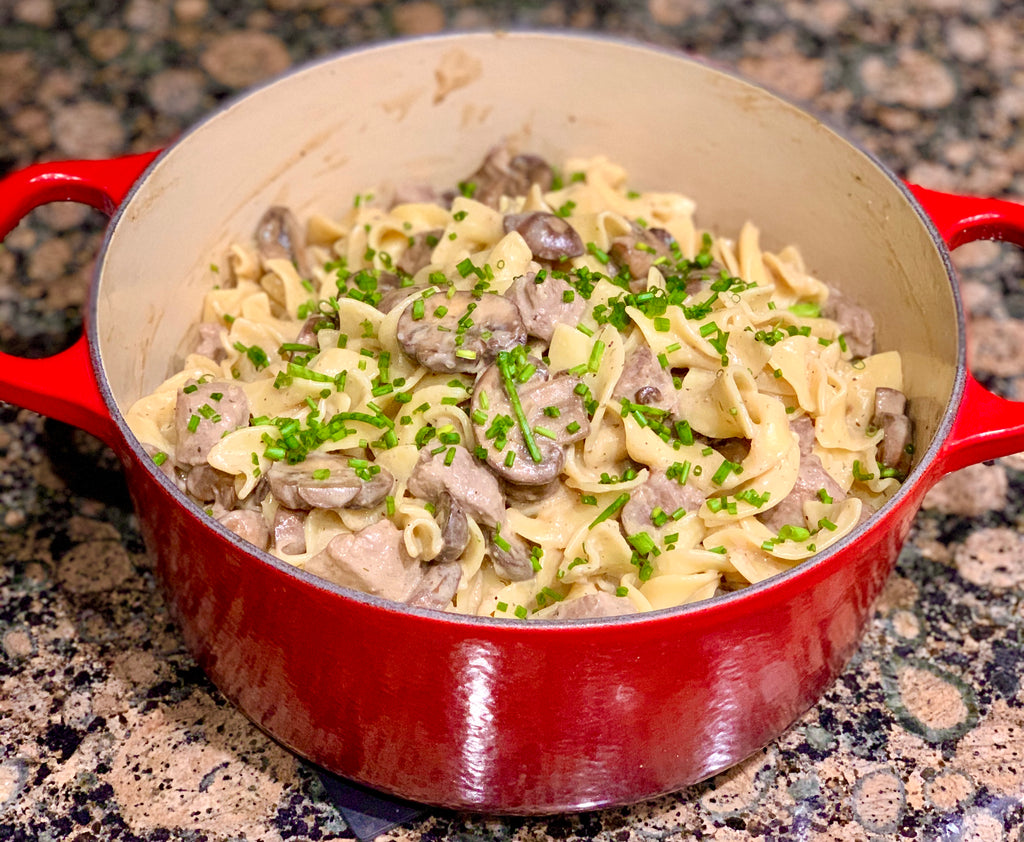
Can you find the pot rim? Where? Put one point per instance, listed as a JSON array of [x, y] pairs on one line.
[[921, 474]]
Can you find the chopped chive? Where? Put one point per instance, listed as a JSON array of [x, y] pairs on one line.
[[600, 254], [722, 474], [505, 367], [612, 508], [806, 309], [859, 473], [642, 543], [789, 532]]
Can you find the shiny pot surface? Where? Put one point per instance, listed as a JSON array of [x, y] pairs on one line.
[[473, 713]]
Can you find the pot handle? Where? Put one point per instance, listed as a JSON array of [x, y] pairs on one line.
[[986, 425], [64, 385]]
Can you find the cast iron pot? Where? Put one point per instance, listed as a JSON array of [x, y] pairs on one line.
[[480, 714]]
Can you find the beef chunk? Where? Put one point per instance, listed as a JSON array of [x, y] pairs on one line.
[[204, 412], [855, 323], [372, 560], [460, 332], [544, 305], [469, 484]]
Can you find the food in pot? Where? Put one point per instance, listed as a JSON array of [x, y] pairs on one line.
[[542, 394]]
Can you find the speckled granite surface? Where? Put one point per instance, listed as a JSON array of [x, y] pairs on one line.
[[108, 730]]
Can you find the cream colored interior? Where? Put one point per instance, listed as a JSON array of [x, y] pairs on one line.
[[430, 109]]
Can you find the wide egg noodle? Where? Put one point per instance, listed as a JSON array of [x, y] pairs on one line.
[[284, 285]]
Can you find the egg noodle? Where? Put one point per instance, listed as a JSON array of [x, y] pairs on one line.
[[728, 340]]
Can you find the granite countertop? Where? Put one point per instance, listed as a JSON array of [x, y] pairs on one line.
[[108, 729]]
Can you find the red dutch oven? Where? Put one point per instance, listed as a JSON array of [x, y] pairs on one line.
[[473, 713]]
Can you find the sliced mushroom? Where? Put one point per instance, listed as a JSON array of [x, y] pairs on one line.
[[894, 451], [249, 525], [528, 495], [644, 381], [543, 305], [327, 482], [500, 174], [308, 334], [278, 236], [510, 555], [395, 295], [734, 449], [208, 485], [598, 604], [417, 253], [699, 279], [438, 586], [566, 421], [204, 412], [637, 251], [454, 528], [549, 237], [289, 531], [470, 485], [461, 331], [372, 560]]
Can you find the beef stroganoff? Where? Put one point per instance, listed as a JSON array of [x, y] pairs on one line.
[[541, 394]]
